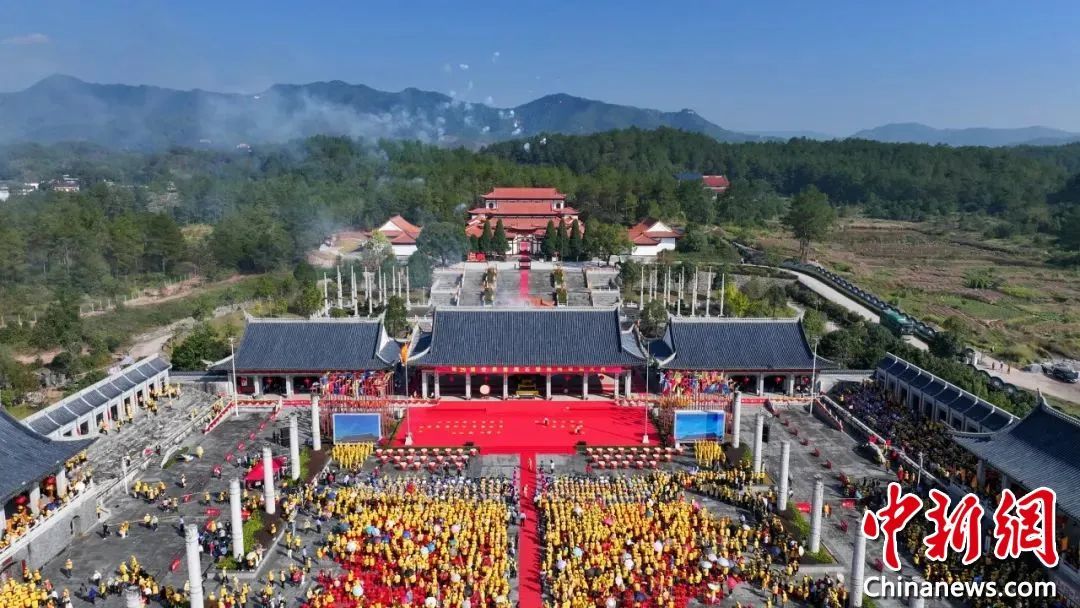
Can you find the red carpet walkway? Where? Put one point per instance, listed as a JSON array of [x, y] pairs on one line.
[[529, 594], [512, 427], [526, 428]]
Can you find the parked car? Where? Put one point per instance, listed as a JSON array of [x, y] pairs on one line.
[[1063, 373]]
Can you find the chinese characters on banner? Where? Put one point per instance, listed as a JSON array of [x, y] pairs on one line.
[[1024, 524]]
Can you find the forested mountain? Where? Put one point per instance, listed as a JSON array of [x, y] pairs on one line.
[[916, 133], [63, 108]]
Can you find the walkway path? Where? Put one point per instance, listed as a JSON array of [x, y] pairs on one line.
[[529, 592]]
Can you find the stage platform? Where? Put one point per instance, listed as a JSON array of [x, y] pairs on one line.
[[517, 426]]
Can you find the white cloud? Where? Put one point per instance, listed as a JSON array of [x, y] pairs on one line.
[[489, 100], [26, 39], [464, 67], [495, 56]]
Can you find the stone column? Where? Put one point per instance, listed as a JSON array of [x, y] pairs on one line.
[[629, 376], [3, 522], [436, 385], [268, 480], [858, 568], [423, 384], [980, 473], [62, 482], [616, 378], [785, 468], [736, 419], [35, 499], [761, 384], [585, 385], [316, 427], [194, 567], [288, 386], [759, 431], [294, 447], [815, 513], [468, 385], [132, 598], [506, 386], [789, 385], [547, 391], [237, 519]]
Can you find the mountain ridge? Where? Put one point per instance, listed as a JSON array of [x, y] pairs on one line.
[[914, 132]]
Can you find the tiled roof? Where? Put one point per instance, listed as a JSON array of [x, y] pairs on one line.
[[1040, 449], [27, 456], [715, 181], [522, 194], [541, 337], [404, 225], [734, 344], [511, 208], [953, 397], [70, 408], [315, 346]]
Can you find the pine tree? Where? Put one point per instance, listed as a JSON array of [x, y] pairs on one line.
[[485, 238], [550, 246], [499, 244], [577, 245], [562, 240]]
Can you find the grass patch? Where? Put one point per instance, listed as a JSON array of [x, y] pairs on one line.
[[820, 557], [252, 526], [175, 457], [20, 411], [795, 522]]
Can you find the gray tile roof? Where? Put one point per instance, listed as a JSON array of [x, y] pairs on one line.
[[27, 456], [959, 401], [734, 344], [321, 345], [535, 336], [70, 408], [1041, 449]]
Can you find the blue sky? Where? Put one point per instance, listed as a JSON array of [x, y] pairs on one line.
[[828, 66]]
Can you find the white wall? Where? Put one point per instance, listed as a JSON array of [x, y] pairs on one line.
[[403, 251]]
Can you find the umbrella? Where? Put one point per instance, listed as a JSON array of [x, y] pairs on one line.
[[430, 602], [578, 552], [705, 564], [724, 562], [358, 590]]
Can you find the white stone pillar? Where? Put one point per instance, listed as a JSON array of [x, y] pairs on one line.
[[506, 386], [288, 386], [585, 385], [858, 568], [268, 480], [736, 419], [62, 482], [423, 385], [316, 427], [3, 522], [789, 385], [761, 384], [294, 447], [35, 499], [759, 440], [436, 385], [547, 391], [785, 473], [627, 378], [132, 598], [237, 520], [468, 385], [815, 513], [616, 379], [194, 567]]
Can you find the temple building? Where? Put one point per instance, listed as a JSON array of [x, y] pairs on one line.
[[525, 213], [716, 355], [401, 234], [348, 357], [527, 352], [651, 236]]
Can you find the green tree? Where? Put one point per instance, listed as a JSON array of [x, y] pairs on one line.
[[694, 240], [605, 240], [203, 345], [125, 246], [165, 245], [654, 318], [59, 325], [947, 345], [484, 243], [736, 302], [421, 270], [576, 245], [550, 245], [629, 274], [308, 300], [499, 243], [810, 218], [443, 241], [562, 240], [814, 322], [396, 318]]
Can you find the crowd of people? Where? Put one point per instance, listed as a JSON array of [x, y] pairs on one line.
[[905, 429], [413, 540], [638, 541], [351, 456], [16, 524]]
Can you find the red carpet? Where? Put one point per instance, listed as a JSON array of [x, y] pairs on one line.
[[529, 593], [512, 427], [523, 285]]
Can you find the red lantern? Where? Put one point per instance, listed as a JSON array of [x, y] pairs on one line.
[[22, 499]]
